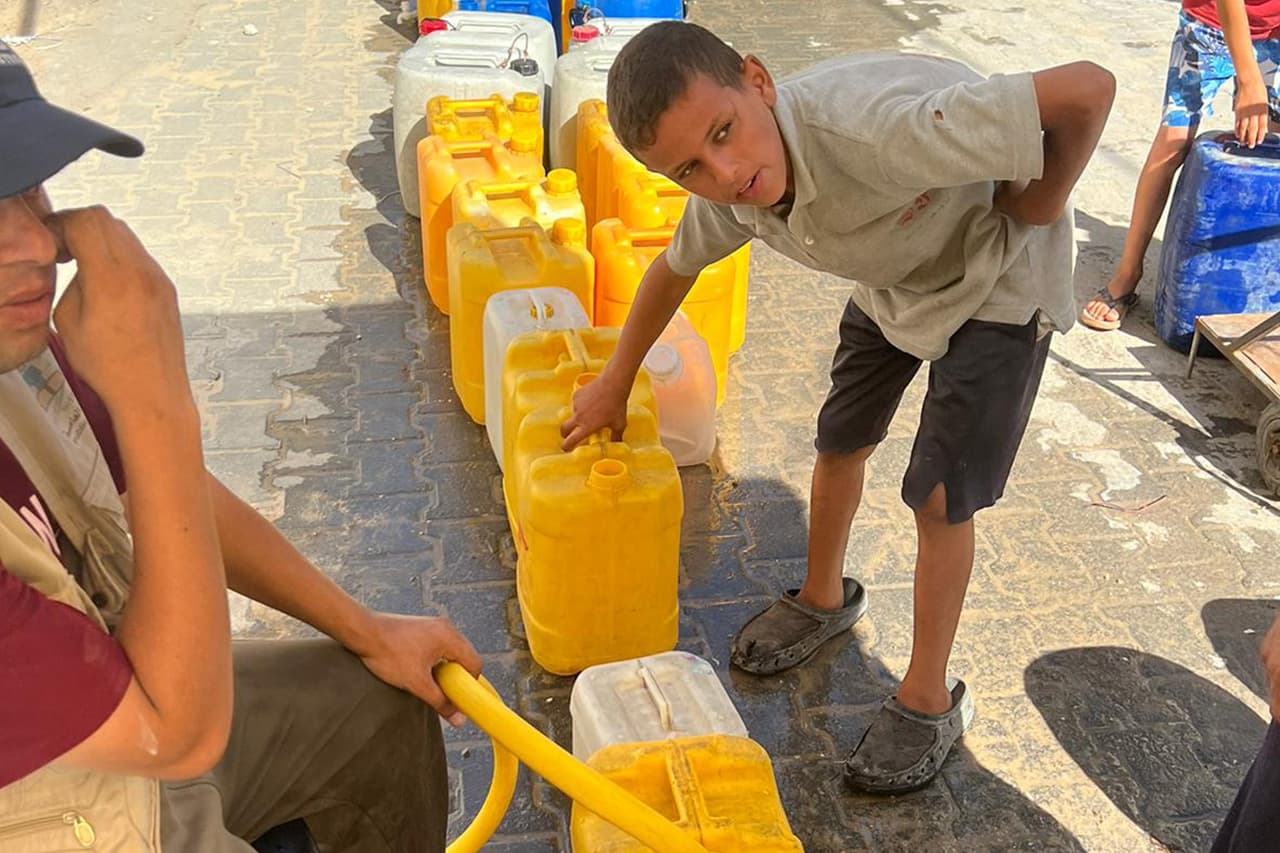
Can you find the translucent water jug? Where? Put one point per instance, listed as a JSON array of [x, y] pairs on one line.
[[623, 255], [684, 385], [596, 25], [671, 695], [720, 789], [507, 316], [616, 14]]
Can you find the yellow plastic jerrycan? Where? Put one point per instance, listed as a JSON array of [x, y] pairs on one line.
[[485, 262], [719, 789], [597, 543], [443, 165], [622, 256], [543, 370], [505, 205], [614, 165], [650, 200], [473, 120], [593, 127]]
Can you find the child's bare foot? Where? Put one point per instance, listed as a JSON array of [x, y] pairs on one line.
[[1106, 310]]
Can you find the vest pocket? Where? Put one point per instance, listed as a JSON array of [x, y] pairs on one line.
[[55, 833]]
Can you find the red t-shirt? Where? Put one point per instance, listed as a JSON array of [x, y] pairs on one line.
[[1264, 16], [61, 676]]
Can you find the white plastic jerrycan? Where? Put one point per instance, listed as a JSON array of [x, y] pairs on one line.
[[507, 316], [458, 65], [580, 75], [612, 31], [539, 39], [684, 384], [674, 694]]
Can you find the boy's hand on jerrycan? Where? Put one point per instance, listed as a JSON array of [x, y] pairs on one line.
[[600, 404]]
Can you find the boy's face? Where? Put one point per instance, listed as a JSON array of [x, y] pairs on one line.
[[722, 142], [28, 254]]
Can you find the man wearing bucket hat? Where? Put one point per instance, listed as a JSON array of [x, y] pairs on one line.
[[130, 720]]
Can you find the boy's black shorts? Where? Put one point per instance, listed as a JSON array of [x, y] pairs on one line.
[[1253, 824], [975, 411]]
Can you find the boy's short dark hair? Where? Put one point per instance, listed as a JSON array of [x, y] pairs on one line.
[[653, 70]]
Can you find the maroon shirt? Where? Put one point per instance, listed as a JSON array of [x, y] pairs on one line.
[[61, 676]]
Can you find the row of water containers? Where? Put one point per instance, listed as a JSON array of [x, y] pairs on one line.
[[664, 728], [536, 271], [494, 223]]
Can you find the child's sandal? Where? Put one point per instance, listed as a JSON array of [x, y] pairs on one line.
[[1118, 304]]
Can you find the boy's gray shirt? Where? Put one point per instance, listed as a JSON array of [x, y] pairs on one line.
[[895, 160]]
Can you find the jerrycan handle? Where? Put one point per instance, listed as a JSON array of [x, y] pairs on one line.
[[539, 311], [509, 189], [659, 699], [494, 109], [472, 147], [595, 792], [650, 236], [466, 60], [1268, 149], [600, 437]]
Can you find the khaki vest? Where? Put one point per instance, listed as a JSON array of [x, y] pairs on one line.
[[58, 807]]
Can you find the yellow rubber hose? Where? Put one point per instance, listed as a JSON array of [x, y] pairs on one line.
[[497, 801], [481, 704]]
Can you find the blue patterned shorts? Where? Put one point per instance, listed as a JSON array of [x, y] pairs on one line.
[[1200, 65]]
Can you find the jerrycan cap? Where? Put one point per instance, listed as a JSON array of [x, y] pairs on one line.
[[584, 33], [562, 182], [663, 362], [524, 141], [525, 102], [569, 232], [524, 66], [427, 26]]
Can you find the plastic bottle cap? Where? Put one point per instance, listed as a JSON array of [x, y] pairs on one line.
[[569, 232], [562, 182], [524, 141], [427, 26], [525, 102], [662, 362], [584, 379], [583, 33], [524, 66]]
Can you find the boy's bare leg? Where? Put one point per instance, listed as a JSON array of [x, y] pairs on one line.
[[1167, 154], [834, 496], [944, 563]]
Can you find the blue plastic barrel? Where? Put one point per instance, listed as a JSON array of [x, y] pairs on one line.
[[537, 8], [1221, 251]]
